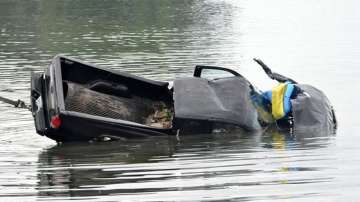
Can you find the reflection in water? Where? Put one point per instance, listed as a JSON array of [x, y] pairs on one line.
[[78, 169], [165, 165], [297, 139]]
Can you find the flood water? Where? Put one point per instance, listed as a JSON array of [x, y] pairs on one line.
[[315, 42]]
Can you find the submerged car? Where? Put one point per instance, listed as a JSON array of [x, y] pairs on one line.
[[76, 101]]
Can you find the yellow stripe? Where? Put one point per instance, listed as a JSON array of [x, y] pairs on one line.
[[278, 101]]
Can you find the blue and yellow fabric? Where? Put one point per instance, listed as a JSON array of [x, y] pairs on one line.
[[279, 97]]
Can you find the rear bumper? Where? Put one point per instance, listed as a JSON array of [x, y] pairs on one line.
[[37, 103], [82, 127]]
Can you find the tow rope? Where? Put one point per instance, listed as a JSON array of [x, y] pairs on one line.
[[16, 103]]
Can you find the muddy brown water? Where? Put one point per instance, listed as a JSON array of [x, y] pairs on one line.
[[314, 42]]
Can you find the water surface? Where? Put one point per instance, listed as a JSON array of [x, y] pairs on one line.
[[312, 42]]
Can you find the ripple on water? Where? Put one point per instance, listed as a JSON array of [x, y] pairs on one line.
[[141, 170]]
